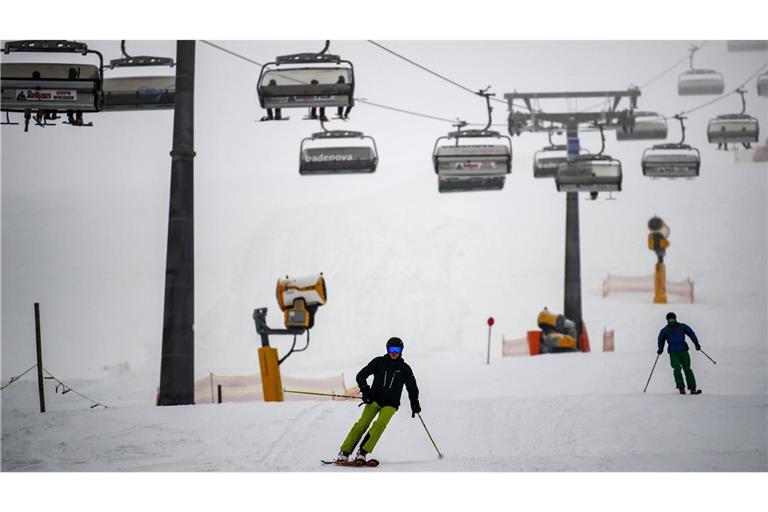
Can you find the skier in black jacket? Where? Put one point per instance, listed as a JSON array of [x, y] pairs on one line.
[[390, 373]]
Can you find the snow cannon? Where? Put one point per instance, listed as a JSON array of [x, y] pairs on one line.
[[658, 242], [299, 298], [658, 238], [558, 332]]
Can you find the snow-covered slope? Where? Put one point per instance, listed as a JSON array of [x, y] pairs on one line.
[[565, 412]]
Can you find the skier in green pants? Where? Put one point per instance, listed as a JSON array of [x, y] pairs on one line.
[[390, 373], [674, 333]]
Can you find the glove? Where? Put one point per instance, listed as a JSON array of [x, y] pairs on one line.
[[415, 408], [660, 351], [698, 347], [367, 398]]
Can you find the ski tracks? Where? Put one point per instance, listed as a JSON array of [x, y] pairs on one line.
[[288, 448]]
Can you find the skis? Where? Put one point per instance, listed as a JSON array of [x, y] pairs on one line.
[[371, 463]]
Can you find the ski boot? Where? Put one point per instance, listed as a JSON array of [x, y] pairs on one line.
[[695, 391], [682, 390], [360, 457], [342, 458]]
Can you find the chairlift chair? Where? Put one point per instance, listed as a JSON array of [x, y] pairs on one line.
[[139, 92], [671, 161], [589, 173], [50, 87], [357, 155], [452, 158], [471, 167], [697, 82], [762, 85], [469, 183], [548, 160], [645, 126], [745, 45], [678, 160], [53, 87], [306, 80], [733, 128]]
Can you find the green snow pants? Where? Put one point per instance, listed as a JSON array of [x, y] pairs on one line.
[[358, 429], [682, 360]]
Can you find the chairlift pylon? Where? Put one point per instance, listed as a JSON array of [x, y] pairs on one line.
[[307, 80], [46, 89], [130, 93], [674, 160], [738, 128], [697, 82]]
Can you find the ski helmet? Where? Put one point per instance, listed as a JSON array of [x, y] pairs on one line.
[[671, 316], [394, 342]]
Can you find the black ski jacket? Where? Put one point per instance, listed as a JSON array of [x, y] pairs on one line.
[[389, 376]]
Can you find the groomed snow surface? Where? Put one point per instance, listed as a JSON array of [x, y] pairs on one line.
[[564, 412]]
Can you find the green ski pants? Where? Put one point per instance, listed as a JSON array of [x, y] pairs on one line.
[[682, 360], [358, 429]]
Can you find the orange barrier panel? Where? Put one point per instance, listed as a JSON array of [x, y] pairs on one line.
[[584, 340], [534, 342]]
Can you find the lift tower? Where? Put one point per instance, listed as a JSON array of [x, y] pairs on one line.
[[538, 120], [177, 366]]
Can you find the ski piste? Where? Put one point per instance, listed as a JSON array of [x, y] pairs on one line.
[[371, 463]]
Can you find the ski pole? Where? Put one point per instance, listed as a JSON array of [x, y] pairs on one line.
[[654, 367], [320, 394], [439, 455], [713, 361]]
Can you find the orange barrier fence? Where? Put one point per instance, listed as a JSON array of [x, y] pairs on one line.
[[626, 284]]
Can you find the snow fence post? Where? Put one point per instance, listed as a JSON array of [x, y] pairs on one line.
[[39, 350], [488, 353]]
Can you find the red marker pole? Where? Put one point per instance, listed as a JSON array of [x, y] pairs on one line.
[[488, 355]]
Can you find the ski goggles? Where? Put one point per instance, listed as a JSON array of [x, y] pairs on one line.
[[394, 350]]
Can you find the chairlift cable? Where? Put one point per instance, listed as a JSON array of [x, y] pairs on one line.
[[231, 53], [424, 68], [442, 77], [404, 111]]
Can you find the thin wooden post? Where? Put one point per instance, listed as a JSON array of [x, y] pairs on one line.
[[39, 342], [219, 393]]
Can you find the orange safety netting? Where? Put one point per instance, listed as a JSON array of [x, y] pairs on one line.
[[623, 284], [247, 388]]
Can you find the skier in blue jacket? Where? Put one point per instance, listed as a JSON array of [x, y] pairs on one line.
[[674, 334]]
